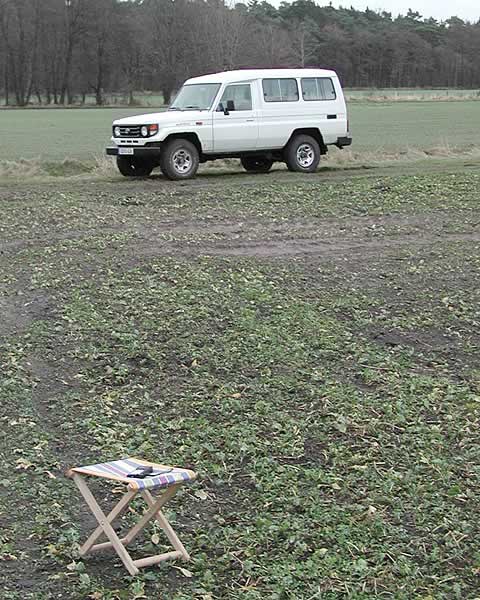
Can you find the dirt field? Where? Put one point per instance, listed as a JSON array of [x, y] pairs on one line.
[[309, 344]]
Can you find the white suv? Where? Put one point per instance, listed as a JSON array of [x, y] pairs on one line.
[[258, 116]]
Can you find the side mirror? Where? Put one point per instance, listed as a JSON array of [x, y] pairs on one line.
[[230, 105]]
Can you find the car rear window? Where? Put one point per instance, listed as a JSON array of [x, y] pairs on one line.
[[280, 90], [318, 88]]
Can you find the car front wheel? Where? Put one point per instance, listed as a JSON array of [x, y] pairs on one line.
[[179, 159], [302, 154], [134, 167]]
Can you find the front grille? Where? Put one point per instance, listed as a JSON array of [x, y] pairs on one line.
[[129, 131]]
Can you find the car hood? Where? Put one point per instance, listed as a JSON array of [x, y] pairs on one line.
[[166, 118]]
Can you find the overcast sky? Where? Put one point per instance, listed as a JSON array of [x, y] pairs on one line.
[[468, 10]]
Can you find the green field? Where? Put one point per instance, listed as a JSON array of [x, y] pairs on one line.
[[57, 134], [310, 345], [410, 93]]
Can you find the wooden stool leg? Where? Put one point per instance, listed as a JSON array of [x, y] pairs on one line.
[[117, 511], [165, 525], [150, 513], [105, 524]]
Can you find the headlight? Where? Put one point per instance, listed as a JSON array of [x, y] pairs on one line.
[[153, 129], [116, 132], [144, 131]]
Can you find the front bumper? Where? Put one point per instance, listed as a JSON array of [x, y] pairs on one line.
[[344, 141], [138, 151]]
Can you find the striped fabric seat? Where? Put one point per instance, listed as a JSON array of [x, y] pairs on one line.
[[119, 469]]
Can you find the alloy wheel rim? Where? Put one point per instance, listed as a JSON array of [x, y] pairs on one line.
[[182, 161], [305, 155]]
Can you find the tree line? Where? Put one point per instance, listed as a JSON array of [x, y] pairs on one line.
[[61, 51]]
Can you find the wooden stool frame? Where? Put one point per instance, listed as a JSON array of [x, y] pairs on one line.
[[153, 512]]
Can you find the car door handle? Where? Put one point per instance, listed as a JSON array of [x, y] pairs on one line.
[[331, 116], [250, 120]]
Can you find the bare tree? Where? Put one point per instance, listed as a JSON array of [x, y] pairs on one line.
[[55, 50], [171, 36], [74, 27]]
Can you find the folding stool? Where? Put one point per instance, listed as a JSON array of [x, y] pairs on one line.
[[170, 480]]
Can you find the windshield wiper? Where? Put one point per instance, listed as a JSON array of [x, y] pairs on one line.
[[173, 108], [192, 108]]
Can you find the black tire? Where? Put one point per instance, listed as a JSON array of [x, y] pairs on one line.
[[302, 154], [256, 164], [179, 159], [134, 167]]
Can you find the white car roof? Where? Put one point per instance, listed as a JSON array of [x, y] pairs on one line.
[[251, 74]]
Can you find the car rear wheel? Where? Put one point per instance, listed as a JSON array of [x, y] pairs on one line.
[[302, 154], [130, 166], [179, 159], [256, 164]]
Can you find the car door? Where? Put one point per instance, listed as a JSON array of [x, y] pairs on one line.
[[235, 123]]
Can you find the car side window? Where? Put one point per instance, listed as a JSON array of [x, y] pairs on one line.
[[280, 90], [318, 88], [236, 97]]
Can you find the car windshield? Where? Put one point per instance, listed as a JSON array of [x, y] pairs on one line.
[[198, 96]]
